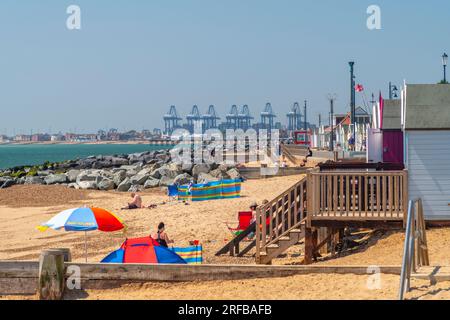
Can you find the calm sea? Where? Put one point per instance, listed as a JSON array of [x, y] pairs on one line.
[[18, 155]]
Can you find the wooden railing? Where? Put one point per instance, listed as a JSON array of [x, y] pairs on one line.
[[285, 152], [359, 195], [281, 215]]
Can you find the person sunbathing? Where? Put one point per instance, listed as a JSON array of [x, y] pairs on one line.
[[161, 236], [136, 203]]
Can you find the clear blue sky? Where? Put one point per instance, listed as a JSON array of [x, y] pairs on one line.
[[133, 59]]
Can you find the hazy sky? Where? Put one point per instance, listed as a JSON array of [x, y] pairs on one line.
[[133, 59]]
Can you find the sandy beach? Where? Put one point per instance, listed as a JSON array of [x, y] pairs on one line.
[[22, 208]]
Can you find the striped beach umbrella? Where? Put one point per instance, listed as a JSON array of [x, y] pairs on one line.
[[84, 219]]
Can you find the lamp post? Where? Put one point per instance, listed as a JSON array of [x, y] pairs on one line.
[[331, 98], [304, 120], [352, 96], [444, 64]]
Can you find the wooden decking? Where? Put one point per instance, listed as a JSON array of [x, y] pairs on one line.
[[319, 207]]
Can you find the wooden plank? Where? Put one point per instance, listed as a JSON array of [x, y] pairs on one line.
[[360, 195], [372, 195], [366, 195], [341, 195], [173, 273], [335, 194], [347, 194], [384, 196], [290, 209], [353, 197], [19, 269], [18, 286], [391, 186], [329, 194], [378, 195]]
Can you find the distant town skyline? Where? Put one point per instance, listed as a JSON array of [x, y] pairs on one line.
[[132, 60]]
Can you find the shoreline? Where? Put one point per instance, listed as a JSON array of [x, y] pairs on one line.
[[80, 143]]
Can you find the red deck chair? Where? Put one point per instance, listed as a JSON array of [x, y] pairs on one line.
[[244, 222]]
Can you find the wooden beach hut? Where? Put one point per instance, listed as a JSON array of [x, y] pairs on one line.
[[392, 132], [426, 123]]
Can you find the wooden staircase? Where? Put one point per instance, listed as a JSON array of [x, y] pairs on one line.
[[281, 223], [282, 243]]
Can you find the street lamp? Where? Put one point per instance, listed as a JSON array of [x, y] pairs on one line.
[[444, 64]]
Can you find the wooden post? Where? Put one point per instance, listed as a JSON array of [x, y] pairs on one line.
[[322, 234], [310, 245], [51, 274], [67, 254]]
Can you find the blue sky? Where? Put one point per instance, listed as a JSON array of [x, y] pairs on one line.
[[133, 59]]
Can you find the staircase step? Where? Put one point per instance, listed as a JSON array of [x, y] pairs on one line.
[[273, 246], [296, 231], [284, 239]]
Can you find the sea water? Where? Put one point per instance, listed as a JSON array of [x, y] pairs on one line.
[[32, 154]]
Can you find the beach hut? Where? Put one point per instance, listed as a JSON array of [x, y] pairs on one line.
[[392, 132], [426, 123]]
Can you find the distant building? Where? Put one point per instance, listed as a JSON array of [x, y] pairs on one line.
[[39, 137], [57, 137], [22, 138], [72, 137], [3, 139]]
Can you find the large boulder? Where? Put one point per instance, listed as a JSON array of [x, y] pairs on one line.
[[139, 179], [183, 179], [124, 186], [205, 178], [151, 183], [101, 164], [55, 178], [87, 185], [116, 161], [43, 173], [132, 167], [233, 173], [136, 157], [72, 175], [119, 176], [165, 181], [7, 183], [187, 168], [86, 163], [34, 180], [106, 184], [200, 168], [136, 188], [219, 174], [165, 171], [147, 170]]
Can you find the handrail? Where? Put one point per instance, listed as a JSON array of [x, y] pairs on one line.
[[285, 151], [280, 216], [413, 257]]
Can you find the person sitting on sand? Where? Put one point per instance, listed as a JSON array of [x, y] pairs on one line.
[[161, 236], [136, 203], [253, 207]]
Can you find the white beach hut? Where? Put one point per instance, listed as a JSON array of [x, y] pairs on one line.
[[426, 126]]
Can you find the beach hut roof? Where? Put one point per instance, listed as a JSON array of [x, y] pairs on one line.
[[392, 114], [427, 107]]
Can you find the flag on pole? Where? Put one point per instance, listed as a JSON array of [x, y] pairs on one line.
[[359, 88]]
